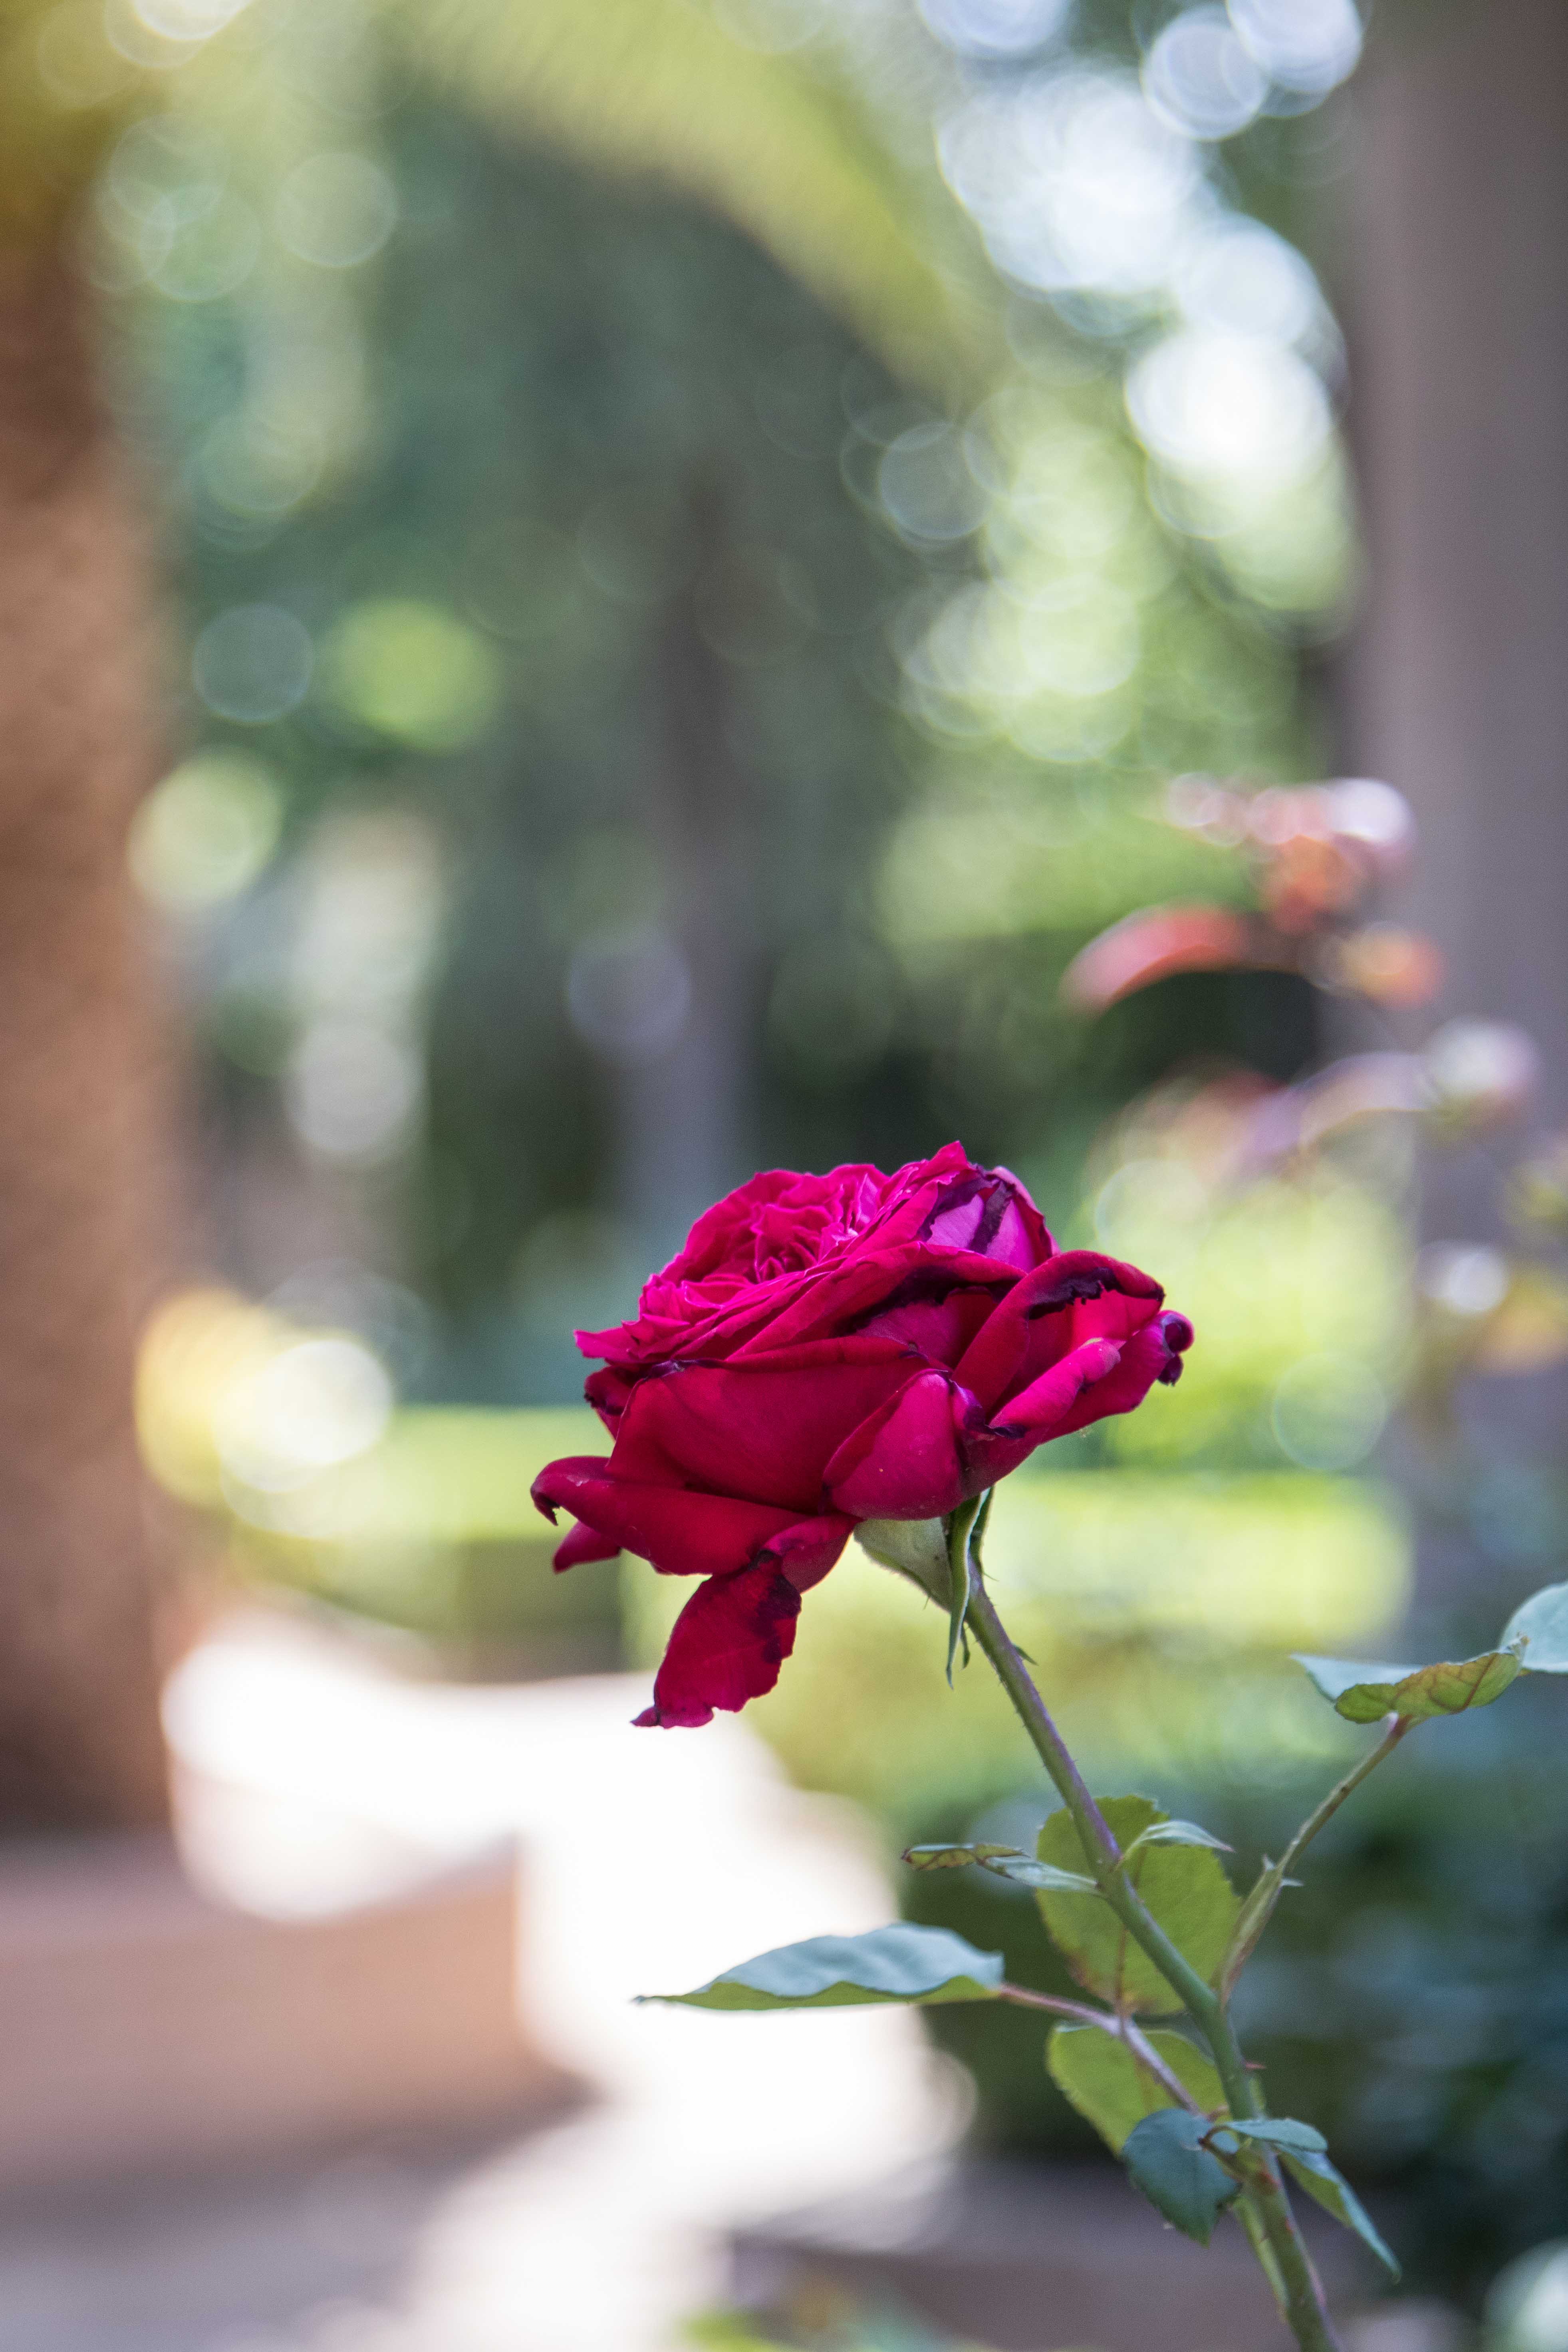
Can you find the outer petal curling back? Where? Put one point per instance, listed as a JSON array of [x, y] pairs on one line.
[[680, 1532], [580, 1544], [1078, 1295], [727, 1646]]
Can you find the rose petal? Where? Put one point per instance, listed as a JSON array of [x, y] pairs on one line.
[[936, 1313], [1039, 1409], [904, 1462], [1153, 1354], [727, 1646], [580, 1544], [608, 1392], [680, 1532], [1077, 1296], [784, 1257], [760, 1431], [987, 1210], [846, 1298]]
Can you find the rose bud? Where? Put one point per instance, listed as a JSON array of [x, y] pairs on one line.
[[827, 1350]]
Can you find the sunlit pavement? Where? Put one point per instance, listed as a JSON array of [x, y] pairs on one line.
[[310, 1778]]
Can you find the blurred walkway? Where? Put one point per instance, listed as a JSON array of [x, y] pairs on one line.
[[308, 1777]]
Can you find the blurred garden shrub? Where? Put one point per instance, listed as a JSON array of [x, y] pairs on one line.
[[286, 1442]]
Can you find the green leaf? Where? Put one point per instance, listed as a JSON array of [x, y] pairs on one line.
[[915, 1548], [901, 1963], [1364, 1693], [1165, 2160], [1280, 2131], [1184, 1887], [1180, 1833], [1539, 1627], [1002, 1861], [1112, 2089], [1317, 2177]]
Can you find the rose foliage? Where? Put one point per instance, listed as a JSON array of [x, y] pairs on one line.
[[827, 1350]]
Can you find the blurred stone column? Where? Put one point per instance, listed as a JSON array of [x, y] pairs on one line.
[[82, 1092], [1458, 681]]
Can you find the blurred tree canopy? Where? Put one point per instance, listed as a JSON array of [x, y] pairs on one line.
[[749, 652]]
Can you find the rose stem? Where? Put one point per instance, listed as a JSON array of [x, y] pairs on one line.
[[1304, 2306], [1259, 1907], [1120, 2029]]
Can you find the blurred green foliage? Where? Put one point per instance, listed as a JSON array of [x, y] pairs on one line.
[[821, 2317], [486, 471]]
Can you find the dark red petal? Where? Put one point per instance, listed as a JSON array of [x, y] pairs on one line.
[[986, 1209], [608, 1392], [993, 1450], [1078, 1295], [760, 1430], [1179, 1336], [935, 1313], [727, 1646], [903, 1462], [1147, 1357], [583, 1543], [682, 1533], [1040, 1408], [807, 1550]]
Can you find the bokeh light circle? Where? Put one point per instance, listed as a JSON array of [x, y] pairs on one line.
[[1201, 78], [336, 210], [253, 664], [1327, 1411]]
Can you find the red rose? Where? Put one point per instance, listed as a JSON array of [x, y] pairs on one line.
[[831, 1349]]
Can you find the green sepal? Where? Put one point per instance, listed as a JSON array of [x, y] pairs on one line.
[[915, 1548], [1110, 2086], [961, 1574], [1364, 1693], [1001, 1862], [901, 1963], [1165, 2158], [1184, 1887], [1319, 2178], [1538, 1629]]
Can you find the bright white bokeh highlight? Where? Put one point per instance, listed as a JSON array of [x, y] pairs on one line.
[[995, 28], [1201, 78], [1078, 186], [1209, 402], [1306, 47]]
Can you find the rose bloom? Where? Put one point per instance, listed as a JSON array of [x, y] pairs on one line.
[[831, 1349]]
